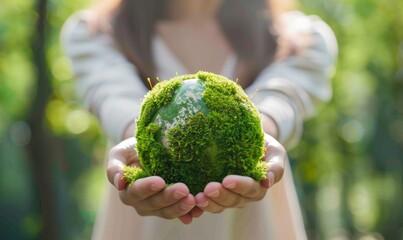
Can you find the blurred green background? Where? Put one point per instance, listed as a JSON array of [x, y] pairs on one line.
[[348, 167]]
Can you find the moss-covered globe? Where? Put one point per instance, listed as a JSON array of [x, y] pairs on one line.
[[198, 129]]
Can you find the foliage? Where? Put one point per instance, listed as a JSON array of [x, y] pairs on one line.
[[347, 167], [350, 160], [21, 215]]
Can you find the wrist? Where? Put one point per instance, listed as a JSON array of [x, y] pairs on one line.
[[270, 126], [129, 132]]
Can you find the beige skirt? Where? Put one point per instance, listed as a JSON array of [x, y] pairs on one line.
[[277, 216]]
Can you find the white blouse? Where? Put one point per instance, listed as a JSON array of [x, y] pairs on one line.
[[289, 92], [168, 65]]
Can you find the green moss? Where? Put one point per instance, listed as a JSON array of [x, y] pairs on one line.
[[134, 172], [216, 134]]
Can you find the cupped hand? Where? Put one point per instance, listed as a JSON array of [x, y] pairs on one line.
[[236, 191], [148, 195]]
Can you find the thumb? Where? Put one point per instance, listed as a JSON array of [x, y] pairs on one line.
[[119, 156], [276, 156], [115, 173]]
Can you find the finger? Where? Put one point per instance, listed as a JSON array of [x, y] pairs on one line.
[[244, 186], [224, 197], [186, 219], [120, 155], [205, 204], [115, 173], [196, 212], [178, 209], [125, 151], [142, 189], [275, 156], [275, 152], [275, 174], [165, 198]]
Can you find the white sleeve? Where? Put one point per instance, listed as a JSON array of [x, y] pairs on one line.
[[108, 84], [291, 89]]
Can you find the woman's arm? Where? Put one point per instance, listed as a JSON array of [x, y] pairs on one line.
[[291, 89], [108, 84]]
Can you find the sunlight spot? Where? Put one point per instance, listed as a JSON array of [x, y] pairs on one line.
[[77, 121], [361, 204], [328, 198], [352, 131], [61, 69]]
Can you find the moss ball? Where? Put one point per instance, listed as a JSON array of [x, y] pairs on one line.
[[197, 129]]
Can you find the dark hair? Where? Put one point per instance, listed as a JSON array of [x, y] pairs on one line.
[[247, 25]]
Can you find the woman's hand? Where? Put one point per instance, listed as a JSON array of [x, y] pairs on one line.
[[237, 191], [148, 195]]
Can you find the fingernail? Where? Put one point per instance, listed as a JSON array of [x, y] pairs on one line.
[[116, 180], [271, 179], [179, 195], [203, 205], [230, 186], [214, 194]]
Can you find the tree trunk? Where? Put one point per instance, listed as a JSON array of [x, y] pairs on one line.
[[42, 147]]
